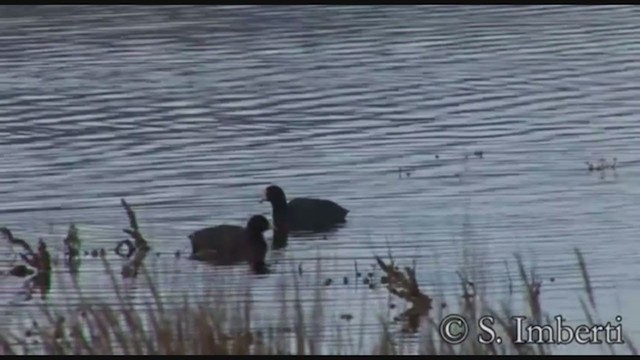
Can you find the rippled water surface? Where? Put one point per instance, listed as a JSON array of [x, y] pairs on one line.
[[188, 112]]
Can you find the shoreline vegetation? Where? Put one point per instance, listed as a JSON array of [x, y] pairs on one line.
[[216, 327]]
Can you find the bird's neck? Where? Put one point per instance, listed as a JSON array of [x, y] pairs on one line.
[[280, 213], [256, 236]]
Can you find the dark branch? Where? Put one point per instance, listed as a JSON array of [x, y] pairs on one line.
[[7, 233]]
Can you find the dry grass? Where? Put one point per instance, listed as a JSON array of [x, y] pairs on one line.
[[216, 327]]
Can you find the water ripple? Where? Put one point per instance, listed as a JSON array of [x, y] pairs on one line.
[[189, 112]]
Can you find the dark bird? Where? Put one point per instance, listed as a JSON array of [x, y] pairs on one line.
[[303, 213], [229, 244]]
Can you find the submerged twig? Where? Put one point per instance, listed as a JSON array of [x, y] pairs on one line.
[[585, 275], [38, 271], [42, 258], [72, 245], [72, 242], [39, 261], [134, 231], [405, 286], [141, 246], [15, 241]]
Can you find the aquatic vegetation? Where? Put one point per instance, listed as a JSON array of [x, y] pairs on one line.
[[72, 245], [207, 328], [37, 267], [404, 172], [141, 246], [72, 242], [602, 165], [217, 327], [405, 286], [40, 261], [15, 241]]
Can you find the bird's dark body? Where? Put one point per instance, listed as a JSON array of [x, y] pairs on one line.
[[314, 214], [310, 214], [229, 244], [223, 239]]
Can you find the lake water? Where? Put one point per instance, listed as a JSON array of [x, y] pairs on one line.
[[188, 112]]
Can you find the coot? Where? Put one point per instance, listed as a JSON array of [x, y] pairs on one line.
[[303, 213], [228, 244]]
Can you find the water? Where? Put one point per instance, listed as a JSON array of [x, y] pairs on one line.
[[189, 112]]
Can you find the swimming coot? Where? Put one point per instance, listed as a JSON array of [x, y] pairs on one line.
[[228, 244], [303, 213]]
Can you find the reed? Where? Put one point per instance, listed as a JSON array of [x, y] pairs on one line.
[[216, 326]]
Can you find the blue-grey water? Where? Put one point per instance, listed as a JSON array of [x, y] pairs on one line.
[[188, 112]]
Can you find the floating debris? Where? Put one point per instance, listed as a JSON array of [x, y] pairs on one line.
[[405, 286], [437, 156], [552, 279], [21, 271], [602, 165], [177, 254], [365, 281], [406, 172], [392, 306], [94, 253], [478, 153], [346, 317], [129, 251], [590, 166], [345, 280], [328, 282]]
